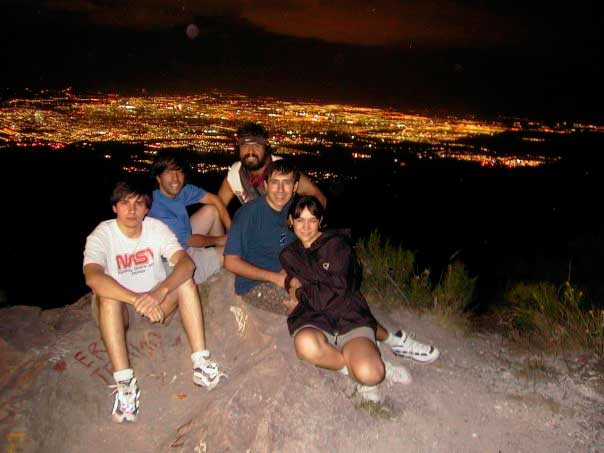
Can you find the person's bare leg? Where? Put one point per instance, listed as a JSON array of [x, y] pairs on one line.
[[207, 222], [191, 314], [312, 346], [113, 322], [364, 361]]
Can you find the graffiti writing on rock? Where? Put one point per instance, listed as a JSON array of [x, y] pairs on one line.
[[95, 357]]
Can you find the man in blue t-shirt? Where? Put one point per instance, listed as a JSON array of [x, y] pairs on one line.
[[203, 234], [257, 236]]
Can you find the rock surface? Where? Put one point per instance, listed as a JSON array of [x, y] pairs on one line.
[[479, 396]]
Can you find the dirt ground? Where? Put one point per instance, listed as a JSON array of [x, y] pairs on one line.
[[480, 396]]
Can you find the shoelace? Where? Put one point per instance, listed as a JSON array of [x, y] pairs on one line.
[[416, 346], [127, 397], [413, 346], [208, 367]]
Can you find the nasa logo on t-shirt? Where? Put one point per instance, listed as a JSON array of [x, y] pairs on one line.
[[326, 266]]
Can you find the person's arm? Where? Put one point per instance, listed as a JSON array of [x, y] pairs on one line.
[[291, 266], [183, 270], [243, 268], [288, 260], [225, 193], [199, 240], [307, 187], [294, 284], [104, 285]]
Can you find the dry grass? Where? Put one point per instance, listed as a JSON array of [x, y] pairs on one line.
[[390, 278], [553, 318]]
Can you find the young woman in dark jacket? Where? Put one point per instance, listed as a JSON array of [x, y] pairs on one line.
[[330, 320]]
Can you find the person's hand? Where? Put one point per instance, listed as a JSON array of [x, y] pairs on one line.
[[294, 284], [155, 315], [148, 303], [290, 305], [280, 279]]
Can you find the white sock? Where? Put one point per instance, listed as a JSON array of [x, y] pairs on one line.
[[123, 375], [389, 338], [199, 356], [344, 371]]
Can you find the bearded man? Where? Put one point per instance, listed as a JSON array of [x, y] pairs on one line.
[[245, 178]]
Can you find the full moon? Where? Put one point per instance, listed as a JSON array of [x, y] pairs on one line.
[[192, 31]]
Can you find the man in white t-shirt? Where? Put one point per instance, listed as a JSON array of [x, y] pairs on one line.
[[245, 178], [123, 267]]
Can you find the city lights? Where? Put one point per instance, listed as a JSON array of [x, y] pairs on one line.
[[206, 123]]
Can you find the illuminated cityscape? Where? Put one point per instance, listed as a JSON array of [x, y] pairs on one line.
[[206, 123]]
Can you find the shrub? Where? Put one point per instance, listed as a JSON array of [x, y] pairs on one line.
[[453, 294], [557, 318], [390, 278], [387, 269]]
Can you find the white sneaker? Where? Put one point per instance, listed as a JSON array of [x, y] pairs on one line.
[[404, 346], [125, 406], [397, 374], [206, 373], [370, 393], [344, 371]]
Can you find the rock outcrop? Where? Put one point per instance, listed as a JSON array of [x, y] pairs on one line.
[[54, 393]]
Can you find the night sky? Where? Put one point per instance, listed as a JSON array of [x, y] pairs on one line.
[[477, 56]]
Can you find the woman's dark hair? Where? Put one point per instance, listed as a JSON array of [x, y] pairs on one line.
[[306, 202]]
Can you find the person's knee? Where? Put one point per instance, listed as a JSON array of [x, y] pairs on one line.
[[187, 291], [111, 309], [308, 346], [204, 215], [369, 372], [187, 286], [211, 210]]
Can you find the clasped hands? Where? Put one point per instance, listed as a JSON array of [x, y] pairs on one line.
[[149, 304]]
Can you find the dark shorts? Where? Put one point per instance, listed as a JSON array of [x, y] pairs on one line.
[[268, 297]]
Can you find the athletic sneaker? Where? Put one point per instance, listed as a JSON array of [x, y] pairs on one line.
[[344, 371], [370, 393], [125, 406], [206, 374], [404, 346], [397, 373]]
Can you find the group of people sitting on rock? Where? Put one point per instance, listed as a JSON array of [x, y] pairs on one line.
[[148, 259]]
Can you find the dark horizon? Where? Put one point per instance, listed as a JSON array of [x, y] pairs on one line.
[[532, 61]]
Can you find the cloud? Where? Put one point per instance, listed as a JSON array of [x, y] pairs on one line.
[[436, 23], [440, 23]]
